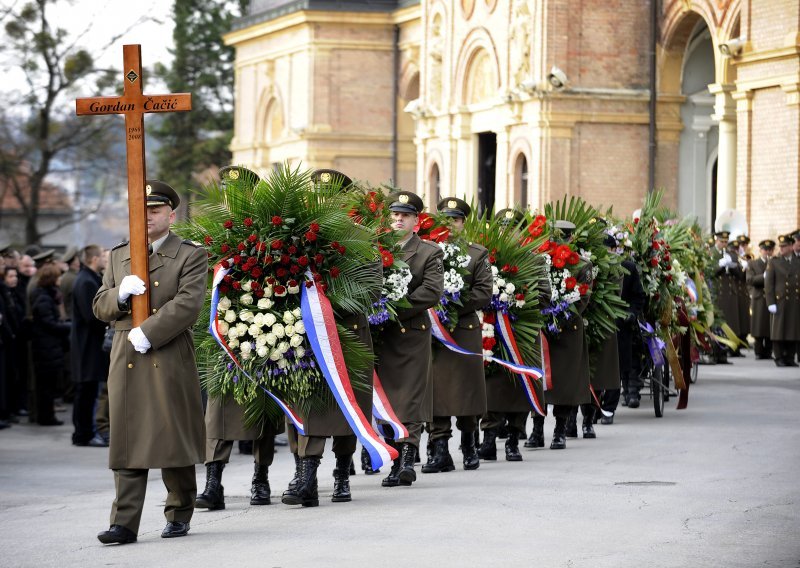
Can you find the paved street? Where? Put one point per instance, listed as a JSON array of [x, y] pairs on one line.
[[713, 485]]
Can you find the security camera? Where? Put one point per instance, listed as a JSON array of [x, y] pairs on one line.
[[733, 47], [557, 78]]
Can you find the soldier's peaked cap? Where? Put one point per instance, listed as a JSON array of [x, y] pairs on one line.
[[328, 176], [454, 207], [160, 193], [406, 202], [509, 216], [767, 244], [230, 174], [785, 239], [722, 234]]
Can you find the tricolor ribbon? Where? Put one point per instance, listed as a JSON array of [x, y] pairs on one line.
[[547, 382], [220, 271], [324, 339], [382, 409], [691, 290], [440, 332], [506, 333], [597, 402]]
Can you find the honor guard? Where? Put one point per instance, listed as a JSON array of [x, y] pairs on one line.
[[782, 291], [153, 388], [727, 277], [403, 358], [459, 384], [759, 316]]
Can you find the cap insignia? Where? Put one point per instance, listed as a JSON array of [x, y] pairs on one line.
[[325, 177], [509, 214], [233, 174], [452, 204], [403, 199], [148, 189]]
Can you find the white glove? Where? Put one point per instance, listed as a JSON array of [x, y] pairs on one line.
[[723, 262], [773, 308], [131, 285], [139, 341]]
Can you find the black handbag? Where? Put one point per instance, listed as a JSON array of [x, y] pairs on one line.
[[108, 339]]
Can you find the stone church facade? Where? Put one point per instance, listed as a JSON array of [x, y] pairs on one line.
[[521, 102]]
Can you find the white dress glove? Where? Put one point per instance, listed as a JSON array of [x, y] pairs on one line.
[[138, 340], [723, 262], [131, 285], [773, 308]]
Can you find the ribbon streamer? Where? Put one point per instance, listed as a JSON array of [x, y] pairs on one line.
[[506, 333], [382, 409], [597, 402], [324, 339], [675, 366], [547, 382], [655, 344], [220, 270], [691, 290]]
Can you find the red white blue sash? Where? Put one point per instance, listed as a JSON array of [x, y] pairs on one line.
[[506, 334], [382, 409], [220, 270], [324, 339]]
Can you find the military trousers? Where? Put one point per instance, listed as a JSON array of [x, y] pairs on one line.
[[102, 421], [220, 450], [131, 485], [314, 446], [784, 350], [496, 420], [762, 346], [414, 434], [441, 427]]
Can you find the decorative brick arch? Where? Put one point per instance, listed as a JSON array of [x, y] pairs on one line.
[[409, 82], [479, 40], [519, 147], [270, 105]]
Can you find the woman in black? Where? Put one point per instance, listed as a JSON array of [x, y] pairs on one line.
[[49, 333]]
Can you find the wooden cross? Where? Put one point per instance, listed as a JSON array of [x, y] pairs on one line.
[[133, 104]]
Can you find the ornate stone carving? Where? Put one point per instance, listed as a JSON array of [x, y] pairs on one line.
[[435, 62], [520, 41]]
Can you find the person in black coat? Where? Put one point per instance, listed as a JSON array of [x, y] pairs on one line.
[[89, 361], [633, 294], [13, 313], [48, 335]]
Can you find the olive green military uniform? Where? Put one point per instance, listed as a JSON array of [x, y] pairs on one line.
[[729, 288], [782, 288], [225, 424], [154, 398], [403, 355], [759, 316], [459, 384]]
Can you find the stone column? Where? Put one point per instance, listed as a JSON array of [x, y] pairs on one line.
[[725, 116]]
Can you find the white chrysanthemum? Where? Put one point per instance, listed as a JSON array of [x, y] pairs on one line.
[[224, 304], [265, 304], [288, 317], [230, 316]]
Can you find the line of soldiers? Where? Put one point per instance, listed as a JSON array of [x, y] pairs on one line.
[[759, 296]]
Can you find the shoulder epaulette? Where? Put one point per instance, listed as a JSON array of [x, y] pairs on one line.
[[191, 243], [122, 244]]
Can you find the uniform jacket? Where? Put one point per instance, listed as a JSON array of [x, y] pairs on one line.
[[782, 288], [89, 361], [759, 316], [49, 331], [459, 384], [403, 354], [154, 398], [730, 294]]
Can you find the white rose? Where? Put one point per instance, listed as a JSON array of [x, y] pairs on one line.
[[259, 319], [246, 315], [278, 330], [283, 363], [299, 352], [293, 289], [223, 327], [224, 304], [262, 351], [241, 329], [283, 346], [299, 327], [288, 317], [246, 355], [510, 288], [271, 339], [230, 316], [296, 340], [247, 286], [261, 340], [500, 282], [495, 290], [267, 292], [297, 313], [254, 330], [275, 354], [265, 304], [269, 320], [233, 343], [504, 297], [289, 330], [246, 347], [233, 333]]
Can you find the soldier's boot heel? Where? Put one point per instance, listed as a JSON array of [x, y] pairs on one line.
[[213, 496], [259, 488], [512, 448], [341, 480], [536, 439], [406, 474], [559, 435], [471, 460], [441, 460], [572, 424]]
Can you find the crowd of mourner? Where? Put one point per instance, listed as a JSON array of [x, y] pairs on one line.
[[303, 306]]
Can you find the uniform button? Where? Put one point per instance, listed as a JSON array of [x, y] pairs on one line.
[[355, 326], [470, 326], [129, 312], [402, 330], [130, 365], [155, 364], [155, 283], [155, 310], [423, 326]]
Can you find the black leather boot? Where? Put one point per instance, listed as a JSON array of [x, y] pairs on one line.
[[406, 475], [559, 435], [392, 480], [512, 447], [366, 463], [213, 496], [259, 489], [572, 424], [537, 434], [441, 460], [588, 412], [471, 459], [296, 479], [306, 493], [341, 480], [488, 449]]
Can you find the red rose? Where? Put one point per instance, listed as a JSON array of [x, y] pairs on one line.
[[224, 248], [277, 221], [270, 281], [335, 272], [228, 224], [237, 285], [248, 222], [323, 287], [583, 288], [318, 258], [277, 245], [240, 247], [294, 269], [492, 259], [654, 262], [519, 297], [656, 246], [237, 259], [558, 263], [311, 236], [252, 238], [261, 246], [636, 220], [267, 260], [303, 261], [570, 282], [489, 343], [256, 272], [279, 290], [208, 240], [489, 317], [506, 268], [573, 258], [285, 259], [227, 278], [317, 277], [291, 283], [668, 277], [314, 227], [224, 288], [281, 273], [292, 249], [259, 293], [255, 286]]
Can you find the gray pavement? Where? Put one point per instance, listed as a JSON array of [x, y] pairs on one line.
[[713, 485]]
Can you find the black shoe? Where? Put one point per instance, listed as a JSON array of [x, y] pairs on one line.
[[624, 401], [259, 487], [392, 480], [117, 534], [488, 448], [306, 493], [213, 496], [341, 480], [366, 463], [441, 460], [98, 442], [559, 435], [512, 448], [588, 421], [537, 434], [633, 403], [588, 430], [572, 424], [471, 460], [607, 419], [406, 474], [175, 529]]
